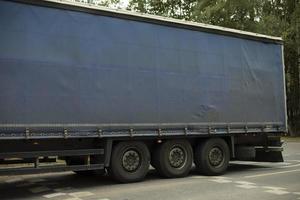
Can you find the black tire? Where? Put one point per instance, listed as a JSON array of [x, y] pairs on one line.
[[130, 161], [212, 157], [173, 159]]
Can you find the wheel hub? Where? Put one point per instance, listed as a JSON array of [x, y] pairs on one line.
[[131, 160], [216, 156], [177, 157]]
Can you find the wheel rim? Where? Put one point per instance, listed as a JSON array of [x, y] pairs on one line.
[[177, 157], [216, 157], [131, 160]]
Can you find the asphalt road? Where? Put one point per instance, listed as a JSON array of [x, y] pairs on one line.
[[244, 180]]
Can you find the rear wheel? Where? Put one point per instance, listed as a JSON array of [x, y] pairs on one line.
[[130, 161], [173, 158], [212, 157]]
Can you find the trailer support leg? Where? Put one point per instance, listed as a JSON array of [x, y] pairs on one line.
[[107, 154], [36, 163], [232, 146]]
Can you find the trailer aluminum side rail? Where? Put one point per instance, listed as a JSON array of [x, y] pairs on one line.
[[44, 131]]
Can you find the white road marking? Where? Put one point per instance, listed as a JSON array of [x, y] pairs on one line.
[[250, 185], [296, 165], [198, 177], [278, 192], [104, 199], [221, 180], [296, 193], [280, 164], [14, 180], [258, 163], [244, 183], [220, 177], [72, 198], [81, 194], [39, 189], [242, 162], [293, 160], [273, 173], [273, 188], [54, 195], [246, 186]]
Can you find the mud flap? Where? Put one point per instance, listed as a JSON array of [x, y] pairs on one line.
[[270, 154]]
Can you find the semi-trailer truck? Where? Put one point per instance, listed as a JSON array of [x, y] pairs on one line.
[[112, 90]]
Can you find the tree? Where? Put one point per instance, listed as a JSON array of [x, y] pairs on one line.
[[180, 9]]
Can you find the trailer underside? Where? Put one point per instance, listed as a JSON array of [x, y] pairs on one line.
[[86, 155]]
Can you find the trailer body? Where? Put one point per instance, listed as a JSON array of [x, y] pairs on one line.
[[69, 72]]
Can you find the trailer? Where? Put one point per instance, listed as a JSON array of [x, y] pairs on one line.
[[105, 90]]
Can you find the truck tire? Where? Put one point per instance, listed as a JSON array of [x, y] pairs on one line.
[[173, 159], [212, 157], [130, 161]]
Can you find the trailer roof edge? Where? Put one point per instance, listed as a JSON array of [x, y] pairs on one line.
[[118, 13]]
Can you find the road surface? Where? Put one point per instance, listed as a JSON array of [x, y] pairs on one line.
[[244, 180]]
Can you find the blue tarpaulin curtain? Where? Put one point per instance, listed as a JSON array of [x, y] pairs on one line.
[[62, 66]]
